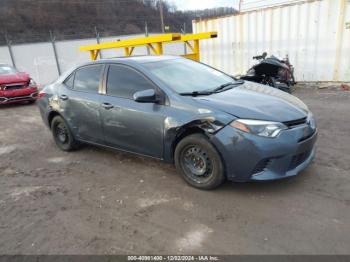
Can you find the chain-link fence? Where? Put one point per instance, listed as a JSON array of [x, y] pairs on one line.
[[46, 60]]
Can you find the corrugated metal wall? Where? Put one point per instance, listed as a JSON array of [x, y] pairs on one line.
[[315, 35]]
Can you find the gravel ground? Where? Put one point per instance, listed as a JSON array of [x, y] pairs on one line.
[[98, 201]]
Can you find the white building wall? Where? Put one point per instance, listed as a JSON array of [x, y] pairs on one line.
[[314, 34], [5, 55], [37, 60]]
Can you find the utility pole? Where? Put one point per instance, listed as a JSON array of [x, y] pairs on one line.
[[240, 5], [98, 39], [183, 31], [146, 34], [161, 14], [9, 42], [53, 42]]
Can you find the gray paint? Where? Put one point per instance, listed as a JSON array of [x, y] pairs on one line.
[[152, 129]]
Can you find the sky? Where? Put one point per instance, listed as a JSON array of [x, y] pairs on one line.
[[203, 4]]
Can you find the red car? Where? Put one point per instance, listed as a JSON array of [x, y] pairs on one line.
[[16, 86]]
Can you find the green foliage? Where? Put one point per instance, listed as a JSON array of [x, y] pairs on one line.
[[31, 20]]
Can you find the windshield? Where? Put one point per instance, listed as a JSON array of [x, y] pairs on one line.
[[184, 75], [6, 69]]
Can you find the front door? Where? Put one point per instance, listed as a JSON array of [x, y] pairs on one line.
[[129, 125]]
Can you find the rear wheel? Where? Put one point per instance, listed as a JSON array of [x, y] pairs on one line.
[[62, 135], [199, 162]]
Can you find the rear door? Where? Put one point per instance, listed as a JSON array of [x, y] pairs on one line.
[[80, 100], [129, 125]]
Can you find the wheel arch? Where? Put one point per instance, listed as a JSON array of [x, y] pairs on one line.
[[206, 127], [51, 116], [183, 132]]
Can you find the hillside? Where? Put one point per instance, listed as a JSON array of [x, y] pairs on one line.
[[26, 21]]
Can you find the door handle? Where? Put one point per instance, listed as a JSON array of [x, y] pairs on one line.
[[107, 106], [63, 97]]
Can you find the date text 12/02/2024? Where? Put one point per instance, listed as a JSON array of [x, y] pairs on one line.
[[173, 258]]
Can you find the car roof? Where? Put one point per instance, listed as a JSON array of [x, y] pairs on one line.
[[131, 60], [139, 59]]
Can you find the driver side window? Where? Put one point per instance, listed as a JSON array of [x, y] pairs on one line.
[[124, 82]]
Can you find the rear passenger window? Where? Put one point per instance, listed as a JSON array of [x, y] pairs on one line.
[[69, 81], [87, 78], [124, 82]]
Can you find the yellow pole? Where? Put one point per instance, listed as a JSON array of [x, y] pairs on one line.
[[126, 51], [155, 43], [196, 49], [159, 48]]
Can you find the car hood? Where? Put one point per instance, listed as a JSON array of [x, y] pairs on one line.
[[255, 101], [14, 78]]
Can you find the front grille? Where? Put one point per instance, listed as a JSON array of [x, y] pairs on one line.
[[261, 166], [18, 98], [14, 86], [297, 122], [299, 159]]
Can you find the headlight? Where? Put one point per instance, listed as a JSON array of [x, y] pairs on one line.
[[259, 127], [31, 83]]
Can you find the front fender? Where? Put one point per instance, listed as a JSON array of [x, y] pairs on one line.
[[174, 130]]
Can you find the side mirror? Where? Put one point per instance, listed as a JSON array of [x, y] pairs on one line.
[[146, 96]]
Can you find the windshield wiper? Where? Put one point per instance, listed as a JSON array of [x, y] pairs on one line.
[[233, 84], [197, 93], [216, 90]]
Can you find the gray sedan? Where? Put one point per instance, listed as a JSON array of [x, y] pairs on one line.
[[212, 126]]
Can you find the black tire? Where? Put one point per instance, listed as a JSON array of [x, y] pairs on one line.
[[62, 135], [199, 162]]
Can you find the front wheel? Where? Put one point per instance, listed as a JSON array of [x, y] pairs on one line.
[[199, 162]]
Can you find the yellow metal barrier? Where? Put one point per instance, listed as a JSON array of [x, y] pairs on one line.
[[154, 43]]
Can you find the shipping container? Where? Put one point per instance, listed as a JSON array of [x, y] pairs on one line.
[[314, 34]]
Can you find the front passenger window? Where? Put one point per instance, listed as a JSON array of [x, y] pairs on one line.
[[87, 78], [124, 82]]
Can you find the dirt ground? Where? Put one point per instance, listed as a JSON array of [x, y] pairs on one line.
[[98, 201]]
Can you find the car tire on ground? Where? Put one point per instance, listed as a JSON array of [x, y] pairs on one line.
[[62, 135], [199, 162]]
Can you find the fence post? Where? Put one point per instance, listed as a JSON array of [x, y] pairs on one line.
[[9, 42], [183, 31], [53, 38], [146, 34], [98, 41]]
